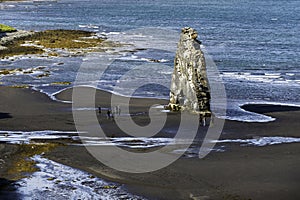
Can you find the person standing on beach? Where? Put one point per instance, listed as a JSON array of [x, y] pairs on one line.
[[112, 116], [99, 110], [108, 114], [115, 110], [119, 110], [202, 119], [212, 119]]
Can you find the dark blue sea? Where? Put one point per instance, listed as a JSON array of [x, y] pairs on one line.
[[254, 44]]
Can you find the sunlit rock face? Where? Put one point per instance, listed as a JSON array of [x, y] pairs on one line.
[[189, 87]]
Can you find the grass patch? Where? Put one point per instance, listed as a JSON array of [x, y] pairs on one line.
[[6, 28]]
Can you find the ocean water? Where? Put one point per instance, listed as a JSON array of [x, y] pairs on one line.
[[255, 45]]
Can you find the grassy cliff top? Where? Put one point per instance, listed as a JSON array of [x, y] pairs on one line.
[[5, 28]]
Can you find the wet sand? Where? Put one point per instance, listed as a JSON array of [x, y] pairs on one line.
[[241, 172]]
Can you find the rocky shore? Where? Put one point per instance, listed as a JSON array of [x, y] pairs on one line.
[[8, 37], [49, 43]]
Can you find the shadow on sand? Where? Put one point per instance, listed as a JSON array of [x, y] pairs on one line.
[[265, 108], [5, 115]]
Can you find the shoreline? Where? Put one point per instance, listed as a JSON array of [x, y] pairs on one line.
[[44, 105], [236, 173], [245, 107]]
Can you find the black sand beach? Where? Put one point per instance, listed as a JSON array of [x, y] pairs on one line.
[[246, 51], [241, 172]]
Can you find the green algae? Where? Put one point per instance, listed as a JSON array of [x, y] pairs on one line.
[[61, 83], [23, 165]]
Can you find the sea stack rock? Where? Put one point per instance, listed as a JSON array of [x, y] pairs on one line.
[[189, 87]]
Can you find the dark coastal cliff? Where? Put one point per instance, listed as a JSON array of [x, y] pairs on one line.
[[189, 86]]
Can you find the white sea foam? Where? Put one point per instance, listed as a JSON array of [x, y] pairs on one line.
[[158, 106], [19, 137], [111, 33], [274, 78], [193, 152], [58, 181], [248, 116], [139, 38], [136, 58], [53, 95], [129, 142], [262, 141], [2, 7], [88, 26], [271, 103], [253, 117], [175, 145], [290, 74]]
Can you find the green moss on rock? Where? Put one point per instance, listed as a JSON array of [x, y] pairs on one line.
[[70, 39]]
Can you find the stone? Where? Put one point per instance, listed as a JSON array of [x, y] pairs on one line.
[[189, 86]]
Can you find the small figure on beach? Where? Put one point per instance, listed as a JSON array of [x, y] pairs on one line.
[[116, 110], [112, 116], [212, 119], [119, 110], [99, 110], [108, 114], [202, 119]]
